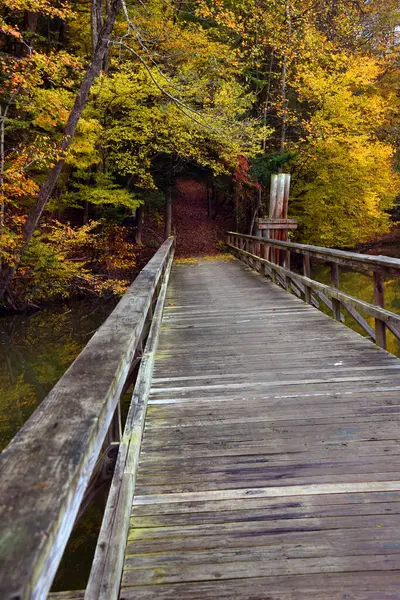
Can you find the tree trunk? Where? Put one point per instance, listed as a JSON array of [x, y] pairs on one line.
[[3, 119], [220, 204], [47, 187], [86, 213], [2, 198], [256, 211], [168, 213], [139, 224], [30, 21], [284, 105], [106, 62], [284, 82], [96, 21]]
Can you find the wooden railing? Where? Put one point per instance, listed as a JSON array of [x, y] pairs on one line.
[[53, 461], [275, 257]]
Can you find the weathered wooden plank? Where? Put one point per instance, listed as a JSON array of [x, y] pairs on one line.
[[328, 586], [275, 480], [253, 569], [312, 545], [48, 464], [259, 515], [66, 595], [291, 510], [272, 492], [272, 526], [154, 515], [260, 455], [328, 501], [276, 224], [274, 538]]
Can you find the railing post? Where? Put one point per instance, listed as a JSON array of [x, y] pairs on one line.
[[307, 273], [379, 300], [335, 284], [287, 266], [272, 259], [114, 432], [264, 254]]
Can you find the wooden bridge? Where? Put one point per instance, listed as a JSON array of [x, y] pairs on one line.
[[260, 458]]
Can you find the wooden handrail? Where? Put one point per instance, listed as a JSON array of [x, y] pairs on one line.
[[46, 468], [361, 262], [106, 573], [257, 251]]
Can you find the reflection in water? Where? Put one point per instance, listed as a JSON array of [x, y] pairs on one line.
[[35, 351]]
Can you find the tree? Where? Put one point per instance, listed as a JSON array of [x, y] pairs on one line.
[[309, 63], [344, 178], [47, 187]]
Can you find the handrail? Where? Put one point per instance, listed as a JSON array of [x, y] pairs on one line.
[[107, 567], [46, 468], [364, 262], [268, 252]]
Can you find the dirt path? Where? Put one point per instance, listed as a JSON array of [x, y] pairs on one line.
[[196, 233]]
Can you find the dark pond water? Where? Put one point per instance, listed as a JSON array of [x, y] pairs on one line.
[[35, 351]]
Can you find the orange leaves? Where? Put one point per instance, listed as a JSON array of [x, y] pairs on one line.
[[9, 30]]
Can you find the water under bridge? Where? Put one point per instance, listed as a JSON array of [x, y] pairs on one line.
[[260, 457]]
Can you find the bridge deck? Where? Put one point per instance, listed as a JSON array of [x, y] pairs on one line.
[[270, 459]]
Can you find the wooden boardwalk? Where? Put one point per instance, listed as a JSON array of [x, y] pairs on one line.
[[270, 462]]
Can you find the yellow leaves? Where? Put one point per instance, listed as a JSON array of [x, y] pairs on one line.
[[346, 186], [345, 99], [372, 203], [51, 108], [84, 152], [348, 180], [46, 7]]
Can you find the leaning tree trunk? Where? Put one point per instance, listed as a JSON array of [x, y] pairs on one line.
[[168, 213], [47, 187], [139, 224], [96, 21]]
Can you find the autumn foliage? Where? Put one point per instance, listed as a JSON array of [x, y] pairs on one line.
[[229, 91]]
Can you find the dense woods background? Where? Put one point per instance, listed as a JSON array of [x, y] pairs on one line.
[[112, 111]]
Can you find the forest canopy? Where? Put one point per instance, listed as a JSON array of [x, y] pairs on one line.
[[104, 104]]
